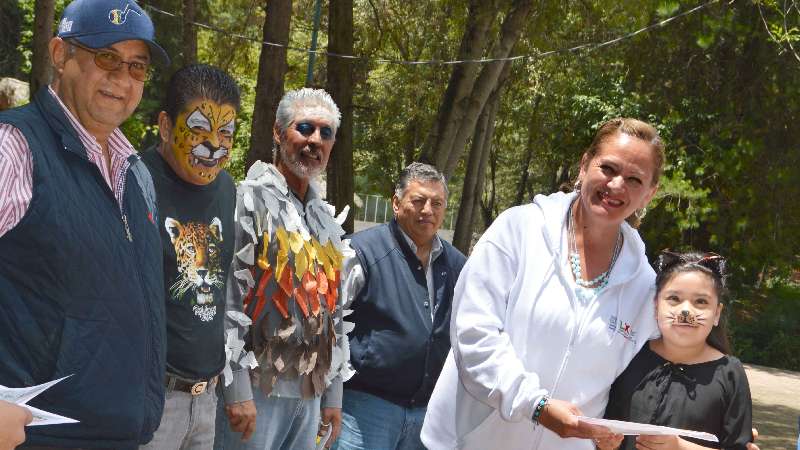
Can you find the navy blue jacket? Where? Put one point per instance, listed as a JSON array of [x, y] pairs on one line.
[[81, 296], [395, 347]]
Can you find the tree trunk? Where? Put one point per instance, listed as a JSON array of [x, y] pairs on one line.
[[189, 33], [473, 43], [473, 180], [42, 33], [487, 207], [486, 83], [340, 86], [271, 72], [522, 185], [476, 168]]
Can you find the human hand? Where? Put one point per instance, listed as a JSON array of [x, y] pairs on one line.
[[751, 445], [13, 419], [561, 418], [611, 443], [645, 442], [242, 417], [330, 417]]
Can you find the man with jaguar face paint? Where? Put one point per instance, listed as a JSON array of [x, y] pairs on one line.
[[196, 199]]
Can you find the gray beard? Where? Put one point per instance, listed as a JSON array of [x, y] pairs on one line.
[[298, 168]]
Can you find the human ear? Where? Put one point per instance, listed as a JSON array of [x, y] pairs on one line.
[[650, 196], [395, 204], [164, 126], [57, 49], [718, 314], [276, 135]]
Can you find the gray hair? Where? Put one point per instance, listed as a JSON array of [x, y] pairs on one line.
[[418, 171], [293, 101]]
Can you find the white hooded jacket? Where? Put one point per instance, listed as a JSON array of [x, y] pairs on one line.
[[519, 332]]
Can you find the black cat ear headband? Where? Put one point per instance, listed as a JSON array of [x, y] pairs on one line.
[[711, 261]]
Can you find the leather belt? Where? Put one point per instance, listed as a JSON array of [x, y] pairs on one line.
[[193, 387]]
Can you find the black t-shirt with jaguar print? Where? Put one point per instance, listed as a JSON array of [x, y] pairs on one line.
[[197, 237]]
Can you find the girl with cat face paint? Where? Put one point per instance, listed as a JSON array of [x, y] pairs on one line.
[[686, 378]]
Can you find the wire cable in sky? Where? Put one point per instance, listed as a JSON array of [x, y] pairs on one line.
[[582, 47]]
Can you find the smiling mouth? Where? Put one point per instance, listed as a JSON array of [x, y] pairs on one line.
[[110, 94], [205, 162], [203, 155], [605, 197], [311, 154]]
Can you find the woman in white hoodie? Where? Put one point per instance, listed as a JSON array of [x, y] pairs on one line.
[[555, 300]]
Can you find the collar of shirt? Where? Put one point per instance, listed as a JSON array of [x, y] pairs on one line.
[[299, 204], [118, 145], [436, 247]]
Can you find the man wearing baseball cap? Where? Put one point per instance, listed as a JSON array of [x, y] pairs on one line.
[[81, 283]]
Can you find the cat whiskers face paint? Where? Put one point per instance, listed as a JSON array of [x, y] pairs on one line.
[[686, 317]]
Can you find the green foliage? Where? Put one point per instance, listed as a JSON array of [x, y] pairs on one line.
[[721, 86], [24, 47], [766, 325]]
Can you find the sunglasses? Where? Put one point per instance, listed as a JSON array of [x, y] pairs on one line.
[[111, 62], [307, 129]]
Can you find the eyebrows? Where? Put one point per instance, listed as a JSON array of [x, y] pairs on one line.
[[421, 196], [616, 163], [683, 294], [144, 58]]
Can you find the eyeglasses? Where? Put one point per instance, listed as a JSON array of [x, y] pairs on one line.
[[307, 129], [111, 62]]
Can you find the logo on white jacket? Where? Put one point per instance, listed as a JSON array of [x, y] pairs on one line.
[[621, 327]]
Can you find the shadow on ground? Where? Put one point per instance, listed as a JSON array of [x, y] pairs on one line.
[[777, 426]]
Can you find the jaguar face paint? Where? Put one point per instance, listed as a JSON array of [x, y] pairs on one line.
[[202, 139]]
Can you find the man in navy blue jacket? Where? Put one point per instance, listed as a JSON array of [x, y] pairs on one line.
[[81, 283], [401, 285]]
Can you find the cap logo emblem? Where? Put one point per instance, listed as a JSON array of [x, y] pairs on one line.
[[65, 26], [118, 17]]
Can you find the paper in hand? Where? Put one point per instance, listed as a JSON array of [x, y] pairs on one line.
[[633, 428], [45, 418], [21, 396], [321, 441]]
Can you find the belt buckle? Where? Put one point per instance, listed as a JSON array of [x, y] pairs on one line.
[[199, 388]]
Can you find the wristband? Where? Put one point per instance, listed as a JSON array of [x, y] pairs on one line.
[[539, 408]]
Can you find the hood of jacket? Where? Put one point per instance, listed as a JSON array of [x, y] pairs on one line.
[[554, 209]]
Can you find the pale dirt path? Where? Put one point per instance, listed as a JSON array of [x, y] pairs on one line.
[[776, 406]]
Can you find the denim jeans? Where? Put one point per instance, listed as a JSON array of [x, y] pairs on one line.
[[188, 422], [282, 423], [371, 423]]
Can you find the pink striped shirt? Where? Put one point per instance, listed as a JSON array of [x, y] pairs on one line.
[[16, 167]]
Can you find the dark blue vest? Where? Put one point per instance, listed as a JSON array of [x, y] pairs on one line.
[[82, 293], [395, 348]]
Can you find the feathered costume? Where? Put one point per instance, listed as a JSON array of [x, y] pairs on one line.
[[285, 277]]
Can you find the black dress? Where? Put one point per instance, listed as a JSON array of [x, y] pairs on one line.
[[713, 396]]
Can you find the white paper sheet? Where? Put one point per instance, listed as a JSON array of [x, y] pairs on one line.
[[21, 396], [633, 428], [45, 418]]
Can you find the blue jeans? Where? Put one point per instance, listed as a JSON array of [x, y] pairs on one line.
[[282, 423], [187, 423], [371, 423]]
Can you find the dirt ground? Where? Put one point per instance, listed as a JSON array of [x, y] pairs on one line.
[[776, 406]]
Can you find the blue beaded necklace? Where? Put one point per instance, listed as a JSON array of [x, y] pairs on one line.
[[598, 283]]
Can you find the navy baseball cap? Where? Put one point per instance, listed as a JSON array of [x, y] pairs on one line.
[[101, 23]]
